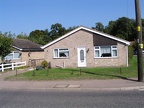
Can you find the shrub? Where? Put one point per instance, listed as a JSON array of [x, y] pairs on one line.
[[39, 68], [44, 64], [130, 52]]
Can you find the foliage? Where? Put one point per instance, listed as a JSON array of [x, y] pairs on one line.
[[57, 30], [71, 28], [99, 26], [130, 52], [39, 67], [22, 36], [44, 36], [39, 36], [44, 64], [5, 44], [123, 28]]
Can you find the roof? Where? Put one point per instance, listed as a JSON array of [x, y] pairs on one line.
[[89, 30], [26, 45]]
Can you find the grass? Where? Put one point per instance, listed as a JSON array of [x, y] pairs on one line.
[[75, 74]]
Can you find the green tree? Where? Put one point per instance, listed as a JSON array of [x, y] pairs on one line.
[[123, 28], [99, 26], [71, 28], [22, 36], [40, 36], [57, 30], [5, 44]]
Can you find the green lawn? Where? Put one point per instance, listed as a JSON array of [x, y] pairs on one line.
[[75, 74]]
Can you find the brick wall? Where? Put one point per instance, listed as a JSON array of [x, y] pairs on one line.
[[121, 60], [83, 39], [27, 56]]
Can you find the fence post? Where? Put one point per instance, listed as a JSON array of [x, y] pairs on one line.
[[12, 66], [2, 67]]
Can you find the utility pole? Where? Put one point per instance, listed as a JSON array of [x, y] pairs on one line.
[[139, 40]]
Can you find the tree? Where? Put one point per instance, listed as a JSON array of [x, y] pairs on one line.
[[57, 30], [123, 28], [22, 36], [40, 36], [99, 26], [5, 44], [71, 28]]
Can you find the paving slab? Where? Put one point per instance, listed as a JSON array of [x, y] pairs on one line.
[[74, 86]]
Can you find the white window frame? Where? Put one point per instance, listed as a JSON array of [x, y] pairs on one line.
[[112, 47], [59, 51], [13, 55]]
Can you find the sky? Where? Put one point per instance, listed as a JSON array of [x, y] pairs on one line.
[[25, 16]]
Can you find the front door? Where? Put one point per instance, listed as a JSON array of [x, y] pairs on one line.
[[81, 57]]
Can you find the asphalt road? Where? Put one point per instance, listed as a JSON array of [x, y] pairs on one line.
[[71, 99]]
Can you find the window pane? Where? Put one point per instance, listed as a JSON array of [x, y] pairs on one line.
[[63, 53], [105, 51], [67, 54], [114, 46], [16, 55], [96, 47], [81, 55], [55, 52], [9, 56], [114, 53], [97, 54]]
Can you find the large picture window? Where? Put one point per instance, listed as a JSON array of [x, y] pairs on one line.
[[13, 55], [61, 53], [106, 51]]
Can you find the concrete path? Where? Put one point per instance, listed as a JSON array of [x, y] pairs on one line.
[[62, 85]]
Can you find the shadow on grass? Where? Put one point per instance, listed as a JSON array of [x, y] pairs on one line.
[[116, 76], [99, 74]]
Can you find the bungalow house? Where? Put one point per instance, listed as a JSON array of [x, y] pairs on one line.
[[85, 47], [25, 50]]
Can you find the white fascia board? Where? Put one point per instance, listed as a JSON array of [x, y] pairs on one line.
[[17, 48], [107, 35]]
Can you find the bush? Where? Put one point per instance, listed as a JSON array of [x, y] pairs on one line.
[[44, 64], [130, 52], [39, 68]]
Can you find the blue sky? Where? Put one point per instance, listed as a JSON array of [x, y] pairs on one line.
[[19, 16]]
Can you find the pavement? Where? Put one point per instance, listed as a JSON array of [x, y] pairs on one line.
[[68, 85]]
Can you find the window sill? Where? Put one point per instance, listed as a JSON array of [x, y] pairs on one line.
[[105, 57], [15, 58], [60, 57]]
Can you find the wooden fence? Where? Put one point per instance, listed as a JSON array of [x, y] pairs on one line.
[[11, 65]]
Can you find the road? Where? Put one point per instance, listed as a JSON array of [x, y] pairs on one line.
[[71, 99]]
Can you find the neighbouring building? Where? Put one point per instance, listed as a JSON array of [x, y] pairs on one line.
[[25, 50]]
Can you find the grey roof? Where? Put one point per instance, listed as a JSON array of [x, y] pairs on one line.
[[26, 45]]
